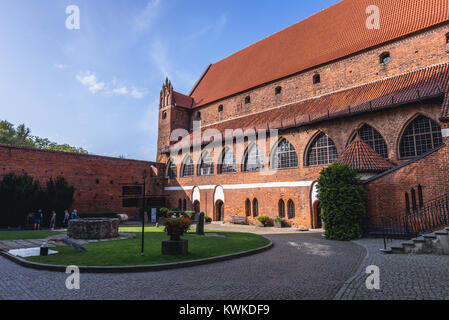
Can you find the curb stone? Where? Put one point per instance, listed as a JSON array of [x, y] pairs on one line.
[[135, 269], [360, 269]]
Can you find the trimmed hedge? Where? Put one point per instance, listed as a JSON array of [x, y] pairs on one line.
[[342, 202]]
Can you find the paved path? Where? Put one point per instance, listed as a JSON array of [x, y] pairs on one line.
[[402, 277], [300, 266], [7, 245]]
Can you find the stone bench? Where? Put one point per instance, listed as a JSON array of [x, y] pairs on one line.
[[238, 220]]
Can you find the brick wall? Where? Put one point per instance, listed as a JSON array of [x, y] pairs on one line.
[[98, 180], [389, 123], [386, 195]]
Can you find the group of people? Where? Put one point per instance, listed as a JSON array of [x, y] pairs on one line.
[[39, 215]]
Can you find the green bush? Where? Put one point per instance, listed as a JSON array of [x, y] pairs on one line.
[[22, 194], [342, 203], [165, 212], [264, 220], [189, 214], [207, 219]]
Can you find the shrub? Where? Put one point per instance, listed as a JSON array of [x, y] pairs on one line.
[[264, 220], [207, 219], [189, 214], [19, 196], [342, 202], [165, 212]]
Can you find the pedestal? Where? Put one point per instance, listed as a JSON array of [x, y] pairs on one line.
[[175, 248]]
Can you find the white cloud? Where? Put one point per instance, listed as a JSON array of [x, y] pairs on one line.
[[89, 80]]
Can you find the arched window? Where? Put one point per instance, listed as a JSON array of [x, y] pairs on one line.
[[188, 167], [284, 156], [184, 205], [247, 100], [179, 204], [373, 138], [447, 38], [407, 203], [255, 208], [206, 166], [420, 197], [291, 209], [420, 136], [248, 207], [171, 170], [254, 160], [281, 208], [227, 163], [220, 108], [322, 151], [316, 78]]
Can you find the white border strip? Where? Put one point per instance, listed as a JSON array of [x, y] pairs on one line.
[[445, 133], [289, 184]]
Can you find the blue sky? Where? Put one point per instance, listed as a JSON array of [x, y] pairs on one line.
[[98, 87]]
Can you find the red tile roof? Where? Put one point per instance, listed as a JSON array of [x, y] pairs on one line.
[[360, 156], [329, 35], [415, 86], [182, 100]]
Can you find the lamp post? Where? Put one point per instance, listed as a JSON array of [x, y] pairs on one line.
[[143, 213]]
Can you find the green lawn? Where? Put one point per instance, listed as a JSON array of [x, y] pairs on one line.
[[127, 252], [20, 235]]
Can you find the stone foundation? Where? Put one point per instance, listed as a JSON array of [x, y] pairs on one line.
[[93, 229]]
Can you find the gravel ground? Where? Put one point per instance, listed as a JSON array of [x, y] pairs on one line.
[[300, 266]]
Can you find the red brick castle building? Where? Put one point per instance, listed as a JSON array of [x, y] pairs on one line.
[[252, 136], [364, 82]]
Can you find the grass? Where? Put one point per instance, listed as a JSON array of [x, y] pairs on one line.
[[127, 252], [21, 235]]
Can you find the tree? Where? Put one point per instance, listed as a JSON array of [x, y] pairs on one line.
[[21, 195], [18, 197], [22, 137], [342, 202]]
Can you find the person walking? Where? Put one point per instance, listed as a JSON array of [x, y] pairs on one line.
[[37, 219], [74, 215], [66, 218], [53, 220]]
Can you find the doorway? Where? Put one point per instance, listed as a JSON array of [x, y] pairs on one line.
[[219, 211], [317, 223]]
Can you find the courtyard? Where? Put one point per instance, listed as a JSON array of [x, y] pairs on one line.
[[301, 266]]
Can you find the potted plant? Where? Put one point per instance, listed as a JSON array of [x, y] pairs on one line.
[[264, 220], [207, 219], [279, 222], [176, 227]]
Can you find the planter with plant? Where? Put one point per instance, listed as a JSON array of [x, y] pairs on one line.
[[265, 221], [279, 222], [175, 228], [207, 219]]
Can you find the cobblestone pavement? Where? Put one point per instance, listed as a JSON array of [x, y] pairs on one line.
[[300, 266], [402, 277]]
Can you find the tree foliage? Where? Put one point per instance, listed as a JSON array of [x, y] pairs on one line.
[[342, 202], [22, 194], [21, 136]]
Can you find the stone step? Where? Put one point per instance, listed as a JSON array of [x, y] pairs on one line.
[[430, 236], [397, 249], [419, 240], [386, 251], [408, 244], [442, 233]]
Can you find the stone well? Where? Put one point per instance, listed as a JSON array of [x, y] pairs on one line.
[[93, 229]]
